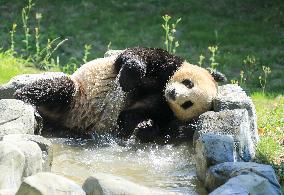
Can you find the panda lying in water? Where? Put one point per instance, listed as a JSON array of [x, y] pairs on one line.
[[141, 90]]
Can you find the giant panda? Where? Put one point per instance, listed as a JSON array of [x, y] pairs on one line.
[[137, 91], [164, 87]]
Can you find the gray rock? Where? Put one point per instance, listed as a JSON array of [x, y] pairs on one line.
[[217, 175], [8, 191], [248, 184], [44, 144], [212, 149], [7, 90], [106, 184], [229, 122], [45, 183], [12, 162], [16, 117], [234, 97], [92, 186], [112, 53], [33, 157]]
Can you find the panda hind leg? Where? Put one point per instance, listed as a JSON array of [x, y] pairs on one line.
[[48, 94]]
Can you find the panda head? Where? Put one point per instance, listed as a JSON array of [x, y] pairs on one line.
[[191, 90]]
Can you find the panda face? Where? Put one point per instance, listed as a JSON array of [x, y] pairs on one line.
[[190, 91]]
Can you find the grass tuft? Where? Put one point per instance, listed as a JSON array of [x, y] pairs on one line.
[[11, 66], [270, 149]]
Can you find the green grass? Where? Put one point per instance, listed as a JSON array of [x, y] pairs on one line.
[[270, 149], [11, 66], [239, 28]]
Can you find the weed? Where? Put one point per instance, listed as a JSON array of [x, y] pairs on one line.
[[87, 49], [71, 66], [37, 36], [109, 46], [51, 47], [201, 59], [263, 78], [25, 19], [235, 82], [242, 77], [12, 36], [39, 54], [250, 67], [213, 50], [170, 30]]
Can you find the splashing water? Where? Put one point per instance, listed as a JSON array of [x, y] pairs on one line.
[[167, 167], [111, 106]]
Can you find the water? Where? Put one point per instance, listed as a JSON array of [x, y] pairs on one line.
[[167, 167]]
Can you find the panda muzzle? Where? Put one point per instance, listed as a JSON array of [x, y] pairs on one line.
[[171, 94]]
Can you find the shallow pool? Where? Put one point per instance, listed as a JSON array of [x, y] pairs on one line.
[[169, 167]]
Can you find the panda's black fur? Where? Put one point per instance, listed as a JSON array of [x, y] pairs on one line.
[[144, 73], [146, 69], [55, 92]]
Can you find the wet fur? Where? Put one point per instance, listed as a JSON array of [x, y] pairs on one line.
[[78, 102], [90, 99], [146, 69], [51, 96]]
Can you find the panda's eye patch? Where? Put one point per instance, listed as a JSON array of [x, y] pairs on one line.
[[188, 83]]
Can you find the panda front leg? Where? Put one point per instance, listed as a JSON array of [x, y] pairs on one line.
[[131, 70], [132, 122], [144, 117]]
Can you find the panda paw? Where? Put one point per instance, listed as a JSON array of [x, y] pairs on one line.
[[133, 69], [129, 79], [147, 131]]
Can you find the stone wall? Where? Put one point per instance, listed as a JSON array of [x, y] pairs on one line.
[[225, 144]]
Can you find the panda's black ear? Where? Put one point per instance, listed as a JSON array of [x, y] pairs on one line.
[[218, 76]]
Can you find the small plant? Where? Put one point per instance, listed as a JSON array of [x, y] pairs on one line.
[[87, 49], [242, 77], [213, 63], [236, 82], [249, 67], [38, 18], [71, 66], [25, 19], [263, 80], [170, 30], [50, 48], [201, 59], [109, 46], [39, 54], [37, 44], [12, 35], [37, 36]]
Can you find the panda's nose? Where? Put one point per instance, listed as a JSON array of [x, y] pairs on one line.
[[172, 94]]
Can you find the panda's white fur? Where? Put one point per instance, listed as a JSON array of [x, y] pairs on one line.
[[97, 100], [201, 95]]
